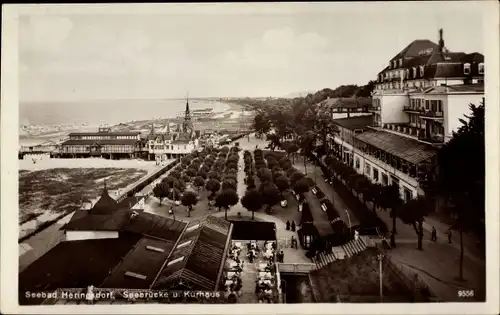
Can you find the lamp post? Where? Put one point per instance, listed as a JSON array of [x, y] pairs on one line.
[[380, 257], [349, 219]]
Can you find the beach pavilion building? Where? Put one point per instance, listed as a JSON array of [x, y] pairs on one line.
[[113, 247], [418, 102]]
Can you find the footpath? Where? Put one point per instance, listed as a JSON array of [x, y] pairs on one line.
[[438, 263]]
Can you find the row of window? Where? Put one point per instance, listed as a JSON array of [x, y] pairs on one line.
[[384, 179], [420, 103], [412, 84], [103, 137], [406, 74], [165, 147]]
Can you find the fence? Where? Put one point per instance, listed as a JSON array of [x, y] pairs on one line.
[[417, 288]]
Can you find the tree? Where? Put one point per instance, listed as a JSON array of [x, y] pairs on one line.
[[174, 194], [390, 199], [212, 185], [291, 149], [282, 183], [296, 176], [270, 195], [252, 201], [229, 184], [189, 199], [261, 123], [461, 175], [199, 182], [307, 145], [160, 191], [265, 175], [175, 174], [413, 212], [226, 199], [301, 187]]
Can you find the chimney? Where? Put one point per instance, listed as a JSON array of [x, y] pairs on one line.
[[441, 42]]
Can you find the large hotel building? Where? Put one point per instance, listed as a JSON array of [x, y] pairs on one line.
[[417, 104]]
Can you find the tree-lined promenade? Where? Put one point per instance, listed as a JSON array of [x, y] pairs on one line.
[[299, 127]]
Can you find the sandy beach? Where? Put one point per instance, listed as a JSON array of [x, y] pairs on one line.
[[233, 116]]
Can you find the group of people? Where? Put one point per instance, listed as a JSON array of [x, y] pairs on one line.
[[232, 280], [434, 235], [290, 226]]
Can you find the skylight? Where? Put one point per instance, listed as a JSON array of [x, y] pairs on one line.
[[175, 261], [155, 249], [184, 244], [135, 275], [192, 228]]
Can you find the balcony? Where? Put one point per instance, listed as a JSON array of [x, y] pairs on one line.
[[374, 109], [404, 129], [432, 138], [432, 114], [413, 109]]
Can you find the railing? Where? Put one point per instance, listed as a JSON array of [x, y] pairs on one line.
[[436, 138], [295, 267], [433, 114], [413, 109]]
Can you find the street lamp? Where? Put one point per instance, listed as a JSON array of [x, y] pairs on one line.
[[380, 257], [349, 219]]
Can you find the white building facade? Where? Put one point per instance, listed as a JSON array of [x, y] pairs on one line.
[[418, 102]]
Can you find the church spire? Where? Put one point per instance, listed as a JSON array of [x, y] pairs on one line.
[[187, 116]]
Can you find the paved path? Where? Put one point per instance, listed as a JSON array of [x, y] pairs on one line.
[[437, 264], [327, 190]]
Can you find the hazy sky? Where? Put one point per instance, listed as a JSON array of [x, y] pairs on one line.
[[245, 50]]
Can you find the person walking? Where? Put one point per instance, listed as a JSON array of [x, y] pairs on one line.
[[434, 234], [449, 235], [288, 225], [293, 226]]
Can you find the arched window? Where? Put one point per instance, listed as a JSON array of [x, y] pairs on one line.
[[421, 71], [467, 68], [414, 72], [481, 68]]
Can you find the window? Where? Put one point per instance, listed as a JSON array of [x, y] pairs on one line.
[[427, 104], [480, 68], [421, 71], [367, 169], [385, 179], [407, 194], [414, 72], [135, 275], [184, 244], [357, 163], [175, 261], [467, 68], [375, 174], [155, 249], [407, 73], [192, 228], [400, 62]]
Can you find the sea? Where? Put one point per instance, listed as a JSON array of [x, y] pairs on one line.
[[109, 112]]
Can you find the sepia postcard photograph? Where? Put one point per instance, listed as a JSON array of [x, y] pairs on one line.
[[318, 158]]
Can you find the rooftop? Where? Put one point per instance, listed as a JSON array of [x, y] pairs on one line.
[[105, 133], [145, 259], [74, 264], [100, 142], [358, 122], [197, 263], [408, 149]]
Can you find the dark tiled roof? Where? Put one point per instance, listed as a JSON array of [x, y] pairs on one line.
[[83, 220], [456, 88], [413, 49], [405, 148], [155, 226], [140, 260], [202, 257], [74, 264], [100, 142], [105, 204], [358, 122], [133, 133], [473, 57]]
